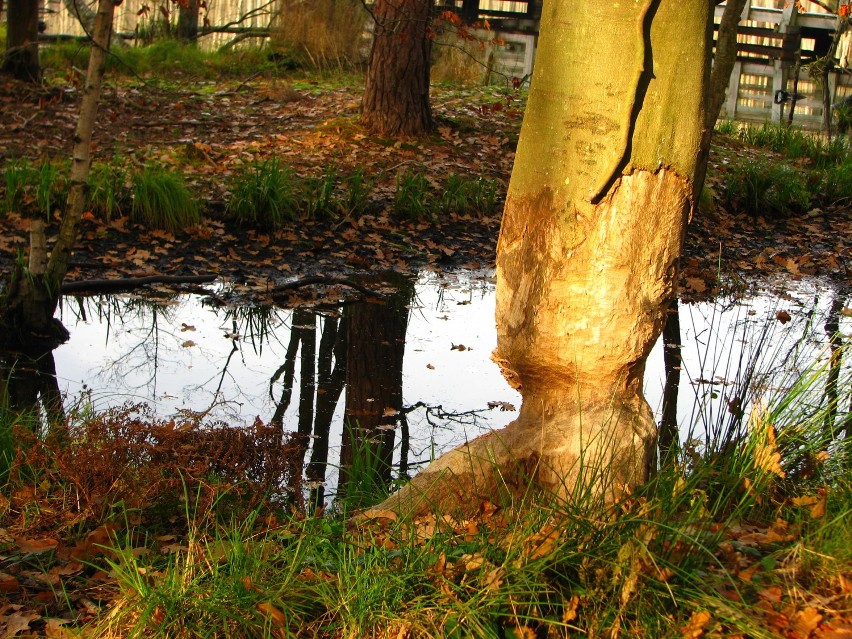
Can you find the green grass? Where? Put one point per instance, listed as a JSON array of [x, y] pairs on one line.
[[161, 200], [264, 195], [765, 187], [166, 58], [16, 178], [320, 194], [412, 197], [108, 194], [792, 142], [38, 187]]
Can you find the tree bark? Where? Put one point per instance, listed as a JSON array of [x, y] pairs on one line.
[[21, 59], [602, 186], [31, 298], [723, 60], [396, 95], [187, 25]]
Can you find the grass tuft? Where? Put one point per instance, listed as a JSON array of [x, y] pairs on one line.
[[264, 195], [161, 200]]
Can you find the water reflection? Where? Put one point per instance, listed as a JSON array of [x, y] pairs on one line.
[[385, 385], [29, 385]]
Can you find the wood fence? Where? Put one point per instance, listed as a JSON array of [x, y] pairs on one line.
[[775, 46]]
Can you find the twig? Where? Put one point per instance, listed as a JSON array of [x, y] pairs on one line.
[[133, 282], [310, 281]]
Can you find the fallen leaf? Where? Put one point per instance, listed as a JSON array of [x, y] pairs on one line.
[[783, 317], [694, 628], [43, 544], [16, 622], [805, 621], [188, 344], [276, 616]]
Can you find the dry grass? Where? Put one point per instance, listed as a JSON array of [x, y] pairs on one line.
[[322, 34]]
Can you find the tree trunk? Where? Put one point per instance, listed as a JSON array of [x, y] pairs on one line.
[[723, 60], [83, 12], [187, 25], [396, 96], [602, 186], [31, 297], [827, 67], [21, 59]]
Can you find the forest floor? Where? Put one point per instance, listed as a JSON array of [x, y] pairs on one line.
[[206, 131]]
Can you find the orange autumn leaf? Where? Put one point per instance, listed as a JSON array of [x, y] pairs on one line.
[[694, 628], [275, 615], [42, 544], [806, 621]]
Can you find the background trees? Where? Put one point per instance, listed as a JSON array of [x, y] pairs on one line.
[[21, 58]]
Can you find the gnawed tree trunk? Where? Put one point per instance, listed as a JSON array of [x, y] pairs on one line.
[[32, 293], [600, 193], [21, 57], [396, 95]]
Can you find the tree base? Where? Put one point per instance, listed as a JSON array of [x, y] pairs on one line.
[[553, 447]]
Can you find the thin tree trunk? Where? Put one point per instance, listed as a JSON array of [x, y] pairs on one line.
[[84, 14], [723, 60], [827, 67], [21, 58], [31, 298], [601, 189], [668, 436], [396, 95]]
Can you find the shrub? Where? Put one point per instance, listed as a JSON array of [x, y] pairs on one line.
[[264, 195], [161, 200], [323, 34]]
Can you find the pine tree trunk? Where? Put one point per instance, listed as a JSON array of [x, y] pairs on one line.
[[187, 26], [31, 297], [587, 257], [396, 95], [21, 59]]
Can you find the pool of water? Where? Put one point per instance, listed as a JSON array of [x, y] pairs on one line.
[[415, 366]]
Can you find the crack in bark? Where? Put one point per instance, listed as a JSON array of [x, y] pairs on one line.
[[642, 80]]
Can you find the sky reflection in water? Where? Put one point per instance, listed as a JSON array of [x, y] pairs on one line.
[[184, 355]]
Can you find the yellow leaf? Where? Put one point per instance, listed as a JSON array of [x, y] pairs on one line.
[[694, 628]]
